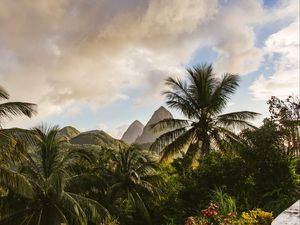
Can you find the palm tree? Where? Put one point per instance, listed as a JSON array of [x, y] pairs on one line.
[[201, 99], [39, 186], [9, 109], [134, 175]]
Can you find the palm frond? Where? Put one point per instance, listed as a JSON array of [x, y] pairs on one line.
[[180, 93], [237, 120], [16, 182], [177, 145], [72, 205], [93, 210], [3, 94], [202, 83], [236, 124], [166, 139], [9, 109], [139, 203], [229, 138], [179, 102], [241, 115], [221, 94], [169, 124]]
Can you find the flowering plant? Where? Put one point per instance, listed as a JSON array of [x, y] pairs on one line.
[[211, 216], [214, 216]]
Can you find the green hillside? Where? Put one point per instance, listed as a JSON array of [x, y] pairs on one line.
[[96, 137], [69, 132]]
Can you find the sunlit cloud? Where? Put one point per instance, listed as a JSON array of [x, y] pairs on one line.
[[283, 48], [67, 53]]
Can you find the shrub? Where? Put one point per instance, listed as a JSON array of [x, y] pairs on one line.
[[212, 215], [225, 202], [255, 217]]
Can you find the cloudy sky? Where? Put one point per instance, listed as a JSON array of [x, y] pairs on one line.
[[100, 64]]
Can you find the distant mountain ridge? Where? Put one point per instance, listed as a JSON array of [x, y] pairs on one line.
[[68, 132], [132, 132], [137, 133], [96, 137], [149, 135]]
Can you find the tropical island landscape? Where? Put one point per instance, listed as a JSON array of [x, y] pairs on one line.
[[149, 112]]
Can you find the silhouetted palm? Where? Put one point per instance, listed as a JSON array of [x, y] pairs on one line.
[[134, 175], [201, 99], [38, 189], [9, 109]]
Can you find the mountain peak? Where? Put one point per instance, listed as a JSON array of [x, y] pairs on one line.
[[137, 122], [162, 108], [148, 134], [68, 132], [133, 131], [160, 114]]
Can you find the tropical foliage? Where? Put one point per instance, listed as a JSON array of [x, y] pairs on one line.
[[38, 187], [201, 98], [134, 175], [7, 111], [244, 175], [286, 115], [10, 109]]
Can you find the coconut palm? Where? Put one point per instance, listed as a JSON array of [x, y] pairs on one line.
[[201, 98], [9, 109], [134, 175], [39, 187]]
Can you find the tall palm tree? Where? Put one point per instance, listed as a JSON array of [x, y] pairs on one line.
[[134, 175], [9, 109], [39, 186], [201, 98]]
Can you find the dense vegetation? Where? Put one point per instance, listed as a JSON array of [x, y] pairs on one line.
[[212, 168]]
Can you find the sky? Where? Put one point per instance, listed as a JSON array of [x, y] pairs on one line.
[[101, 64]]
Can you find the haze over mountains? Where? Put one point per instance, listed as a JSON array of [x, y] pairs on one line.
[[69, 132], [135, 133], [96, 137], [132, 132], [149, 135], [146, 136]]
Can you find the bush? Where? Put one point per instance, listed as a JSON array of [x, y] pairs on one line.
[[225, 202], [214, 216], [270, 168], [255, 217]]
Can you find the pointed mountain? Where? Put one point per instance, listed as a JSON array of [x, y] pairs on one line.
[[132, 132], [68, 132], [148, 135]]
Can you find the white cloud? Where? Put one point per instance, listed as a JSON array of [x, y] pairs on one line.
[[235, 37], [283, 48], [56, 53]]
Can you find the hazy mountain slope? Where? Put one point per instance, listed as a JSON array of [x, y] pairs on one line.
[[148, 135], [68, 132], [96, 137], [132, 132]]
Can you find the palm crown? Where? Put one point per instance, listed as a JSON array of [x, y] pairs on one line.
[[134, 175], [9, 109], [39, 188], [201, 99]]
